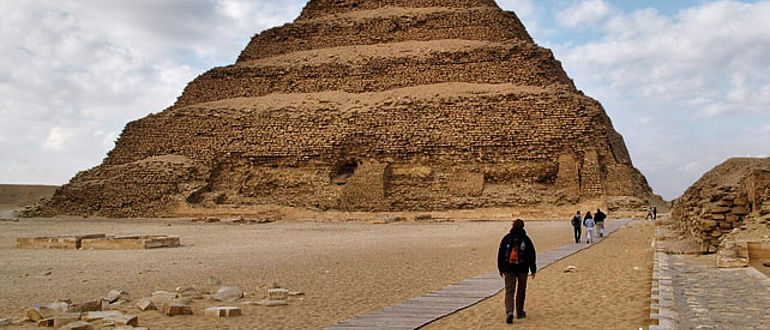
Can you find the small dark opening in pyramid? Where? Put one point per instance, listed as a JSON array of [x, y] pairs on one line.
[[369, 106]]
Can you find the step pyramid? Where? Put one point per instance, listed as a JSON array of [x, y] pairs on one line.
[[369, 105]]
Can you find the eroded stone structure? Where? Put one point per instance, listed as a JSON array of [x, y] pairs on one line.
[[372, 105], [727, 197]]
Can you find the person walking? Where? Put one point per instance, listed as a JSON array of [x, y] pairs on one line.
[[649, 213], [599, 218], [515, 259], [589, 223], [577, 223], [655, 213]]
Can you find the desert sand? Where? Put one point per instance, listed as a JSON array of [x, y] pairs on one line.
[[345, 268], [610, 290]]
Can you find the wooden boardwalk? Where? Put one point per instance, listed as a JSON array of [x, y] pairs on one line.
[[420, 311]]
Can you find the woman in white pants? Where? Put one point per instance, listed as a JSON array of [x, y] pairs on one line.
[[589, 223]]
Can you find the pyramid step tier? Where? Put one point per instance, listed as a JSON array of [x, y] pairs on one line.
[[489, 24], [518, 63], [319, 8]]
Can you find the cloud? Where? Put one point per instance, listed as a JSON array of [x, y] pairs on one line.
[[73, 73], [586, 12], [702, 75]]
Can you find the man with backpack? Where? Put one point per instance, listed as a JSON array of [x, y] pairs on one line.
[[515, 259], [599, 218], [577, 223]]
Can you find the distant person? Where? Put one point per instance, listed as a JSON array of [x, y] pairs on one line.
[[589, 223], [577, 223], [599, 218], [655, 213], [649, 213], [515, 259]]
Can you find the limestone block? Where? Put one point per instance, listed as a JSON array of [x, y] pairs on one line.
[[271, 303], [145, 304], [716, 233], [717, 217], [5, 322], [96, 316], [732, 218], [89, 306], [741, 201], [122, 320], [223, 311], [725, 225], [740, 210], [131, 242], [189, 292], [67, 242], [160, 298], [708, 223], [719, 209], [115, 295], [79, 325], [278, 294], [65, 318], [47, 322], [229, 294], [39, 312], [175, 309]]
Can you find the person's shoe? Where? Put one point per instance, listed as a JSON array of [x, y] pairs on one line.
[[522, 315], [509, 319]]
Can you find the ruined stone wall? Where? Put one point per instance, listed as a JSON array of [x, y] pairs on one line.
[[720, 200]]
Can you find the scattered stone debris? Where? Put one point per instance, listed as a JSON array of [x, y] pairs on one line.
[[122, 320], [65, 318], [98, 242], [188, 292], [733, 254], [570, 269], [96, 316], [145, 304], [223, 311], [79, 325], [175, 309], [41, 312], [161, 298], [228, 294], [115, 295], [296, 293]]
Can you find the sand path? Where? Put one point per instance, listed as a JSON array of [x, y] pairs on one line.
[[611, 290], [346, 268]]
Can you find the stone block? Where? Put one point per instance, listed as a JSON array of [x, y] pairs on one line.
[[39, 312], [271, 303], [131, 242], [89, 306], [65, 318], [122, 320], [96, 316], [47, 322], [740, 210], [5, 322], [708, 223], [189, 292], [175, 309], [145, 304], [79, 325], [160, 298], [719, 209], [741, 201], [115, 295], [224, 311], [65, 242], [716, 217], [278, 294], [732, 218], [229, 294]]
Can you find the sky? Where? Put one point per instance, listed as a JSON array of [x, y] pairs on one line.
[[686, 82]]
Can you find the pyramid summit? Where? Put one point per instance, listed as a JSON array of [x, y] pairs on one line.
[[371, 106]]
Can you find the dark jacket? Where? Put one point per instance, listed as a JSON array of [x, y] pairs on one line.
[[600, 216], [528, 254]]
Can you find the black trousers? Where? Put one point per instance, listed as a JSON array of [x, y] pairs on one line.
[[578, 232]]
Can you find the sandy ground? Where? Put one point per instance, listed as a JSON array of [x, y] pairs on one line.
[[611, 290], [345, 268]]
